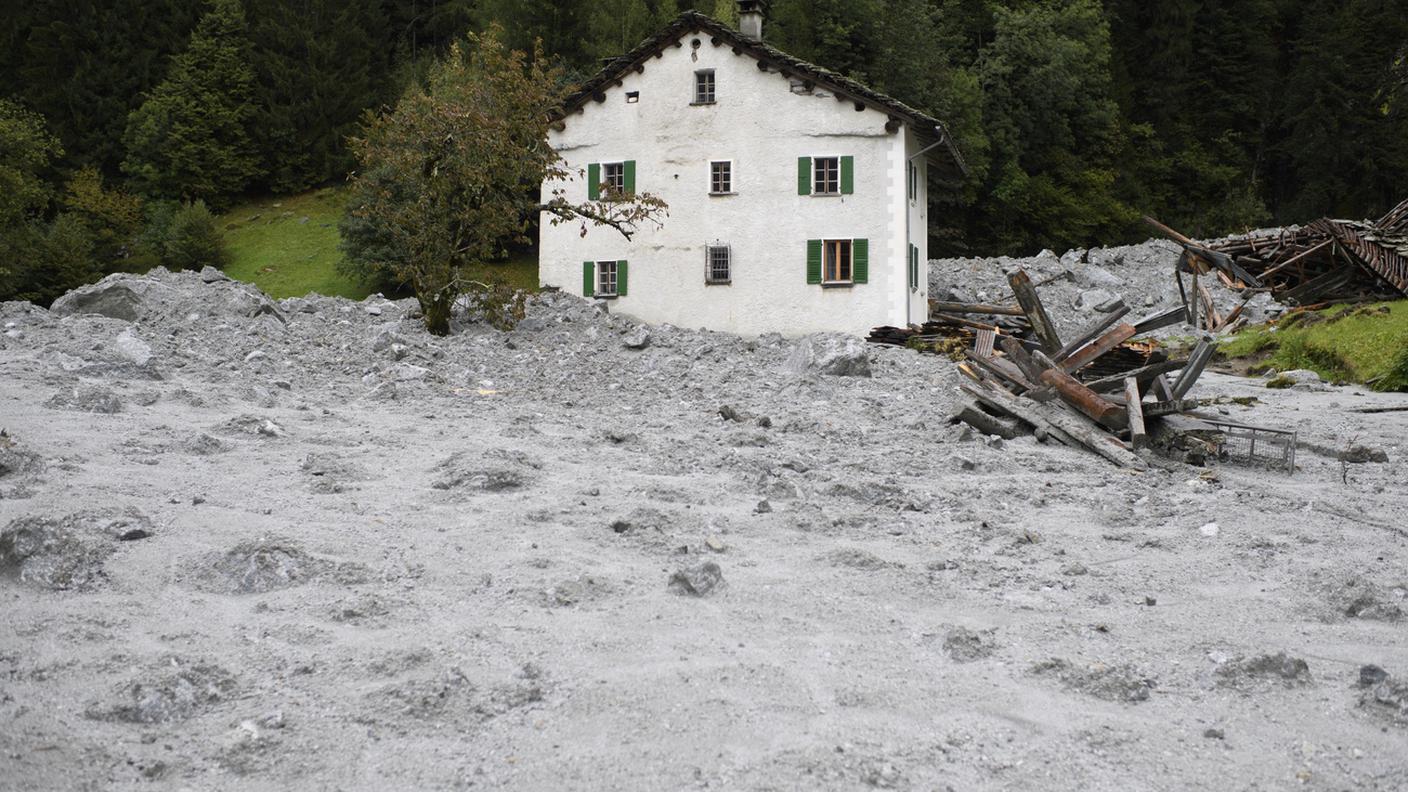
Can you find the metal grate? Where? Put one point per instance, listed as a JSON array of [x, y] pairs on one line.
[[1256, 446]]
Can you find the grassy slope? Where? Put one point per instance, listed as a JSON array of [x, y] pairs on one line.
[[273, 247], [1361, 345]]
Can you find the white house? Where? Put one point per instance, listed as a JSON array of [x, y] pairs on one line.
[[797, 197]]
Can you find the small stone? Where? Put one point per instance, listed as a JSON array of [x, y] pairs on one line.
[[764, 422], [270, 429], [763, 507], [727, 413], [638, 338], [714, 543], [1075, 569], [1150, 602], [1214, 734], [1371, 675], [133, 535], [696, 581], [1210, 529], [964, 463]]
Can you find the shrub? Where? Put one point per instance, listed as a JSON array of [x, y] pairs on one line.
[[192, 240], [1396, 378]]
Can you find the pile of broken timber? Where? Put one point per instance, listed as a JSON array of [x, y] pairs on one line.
[[1324, 263], [949, 320], [1048, 387]]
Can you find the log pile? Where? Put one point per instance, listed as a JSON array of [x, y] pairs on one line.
[[1324, 263], [1097, 390]]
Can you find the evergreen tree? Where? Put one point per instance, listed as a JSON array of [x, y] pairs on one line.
[[191, 137], [615, 27], [318, 66]]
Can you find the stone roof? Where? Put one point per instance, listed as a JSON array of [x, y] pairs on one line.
[[929, 129]]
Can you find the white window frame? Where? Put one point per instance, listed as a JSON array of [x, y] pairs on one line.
[[607, 276], [913, 183], [709, 275], [817, 176], [616, 183], [701, 95], [730, 190], [826, 261]]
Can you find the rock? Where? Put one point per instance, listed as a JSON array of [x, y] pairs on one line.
[[266, 564], [175, 696], [1244, 672], [714, 543], [1092, 299], [1075, 569], [639, 338], [964, 463], [1214, 734], [763, 507], [133, 349], [1094, 277], [729, 414], [1370, 675], [66, 553], [209, 274], [86, 398], [495, 471], [116, 296], [1111, 683], [697, 581], [1387, 698], [1359, 454], [841, 356], [966, 646], [1209, 529]]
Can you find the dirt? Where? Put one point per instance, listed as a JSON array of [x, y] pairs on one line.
[[361, 557]]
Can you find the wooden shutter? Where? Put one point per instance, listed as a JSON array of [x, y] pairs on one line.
[[588, 279], [630, 169], [813, 261], [804, 176], [848, 175], [594, 182], [860, 261], [621, 278]]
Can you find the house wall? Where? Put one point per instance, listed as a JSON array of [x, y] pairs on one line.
[[917, 231], [762, 126]]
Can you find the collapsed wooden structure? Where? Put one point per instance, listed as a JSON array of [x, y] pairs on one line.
[[1323, 263]]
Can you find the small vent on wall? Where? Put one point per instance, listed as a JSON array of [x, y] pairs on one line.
[[632, 97]]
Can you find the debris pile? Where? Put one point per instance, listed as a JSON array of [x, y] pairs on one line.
[[1113, 403], [1323, 263]]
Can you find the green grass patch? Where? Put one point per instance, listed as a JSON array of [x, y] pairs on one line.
[[289, 247], [1366, 344]]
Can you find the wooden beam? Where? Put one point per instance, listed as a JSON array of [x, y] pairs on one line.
[[1091, 333], [1099, 409], [1111, 339], [1202, 353], [970, 414], [1055, 422], [1145, 374], [1134, 409], [1018, 354], [1027, 297], [1296, 259], [1161, 388], [1169, 232], [975, 308], [1160, 320]]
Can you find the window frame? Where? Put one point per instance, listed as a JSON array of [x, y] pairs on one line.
[[830, 247], [818, 176], [601, 278], [913, 183], [729, 165], [701, 95], [709, 276], [613, 189]]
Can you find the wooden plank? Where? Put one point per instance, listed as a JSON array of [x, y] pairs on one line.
[[1159, 409], [987, 424], [1001, 370], [1160, 320], [1091, 333], [1202, 353], [1111, 339], [1161, 388], [975, 308], [1019, 355], [1134, 405], [982, 343], [1168, 232], [943, 318], [1025, 411], [1214, 319], [1086, 400], [1296, 259], [1027, 297], [1064, 426], [1144, 374]]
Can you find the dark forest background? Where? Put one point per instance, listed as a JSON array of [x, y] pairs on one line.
[[1076, 116]]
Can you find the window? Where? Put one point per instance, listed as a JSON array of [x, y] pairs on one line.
[[606, 279], [913, 182], [704, 86], [718, 263], [632, 97], [826, 175], [720, 178], [836, 267], [614, 177]]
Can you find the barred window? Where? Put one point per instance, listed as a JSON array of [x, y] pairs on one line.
[[720, 178], [704, 86], [614, 176], [826, 175], [606, 278], [718, 264]]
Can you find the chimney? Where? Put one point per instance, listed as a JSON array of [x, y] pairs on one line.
[[750, 19]]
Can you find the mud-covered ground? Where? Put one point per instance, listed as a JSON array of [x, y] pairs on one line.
[[305, 545]]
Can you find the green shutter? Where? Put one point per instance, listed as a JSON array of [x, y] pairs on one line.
[[588, 279], [594, 182], [621, 271], [630, 177], [813, 261], [804, 176], [860, 261], [848, 175]]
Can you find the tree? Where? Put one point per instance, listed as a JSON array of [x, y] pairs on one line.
[[615, 27], [456, 172], [112, 217], [191, 137], [26, 149]]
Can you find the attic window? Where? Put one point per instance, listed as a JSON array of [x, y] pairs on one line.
[[632, 97], [704, 87]]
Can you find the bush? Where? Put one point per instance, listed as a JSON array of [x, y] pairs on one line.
[[1396, 378], [188, 238]]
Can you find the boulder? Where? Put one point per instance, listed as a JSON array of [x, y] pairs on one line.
[[841, 356], [116, 296]]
